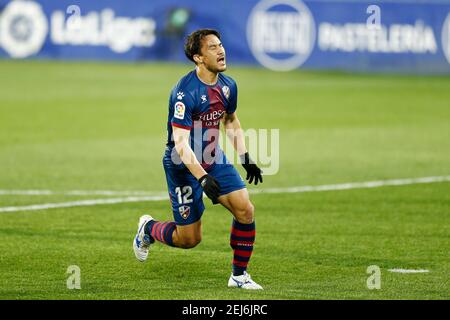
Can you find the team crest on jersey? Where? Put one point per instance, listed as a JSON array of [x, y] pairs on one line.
[[226, 91], [179, 110], [184, 211]]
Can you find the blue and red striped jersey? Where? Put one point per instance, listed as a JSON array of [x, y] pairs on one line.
[[198, 107]]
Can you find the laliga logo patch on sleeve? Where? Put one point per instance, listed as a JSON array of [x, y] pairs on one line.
[[179, 110]]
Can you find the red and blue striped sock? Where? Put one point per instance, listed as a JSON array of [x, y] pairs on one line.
[[161, 231], [241, 240]]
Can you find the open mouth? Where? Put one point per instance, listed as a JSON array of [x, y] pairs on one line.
[[221, 60]]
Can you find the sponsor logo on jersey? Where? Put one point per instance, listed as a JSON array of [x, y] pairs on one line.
[[179, 110], [210, 116], [203, 97], [226, 91], [184, 211], [180, 95]]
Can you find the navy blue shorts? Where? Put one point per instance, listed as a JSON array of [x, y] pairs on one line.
[[186, 194]]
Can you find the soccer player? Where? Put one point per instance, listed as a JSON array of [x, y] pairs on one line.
[[194, 162]]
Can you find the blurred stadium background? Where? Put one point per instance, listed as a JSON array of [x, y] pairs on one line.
[[360, 91]]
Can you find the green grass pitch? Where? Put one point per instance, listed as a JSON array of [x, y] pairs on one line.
[[102, 126]]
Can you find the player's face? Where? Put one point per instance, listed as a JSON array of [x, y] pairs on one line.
[[213, 54]]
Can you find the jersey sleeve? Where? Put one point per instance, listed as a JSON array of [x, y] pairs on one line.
[[232, 106], [181, 109]]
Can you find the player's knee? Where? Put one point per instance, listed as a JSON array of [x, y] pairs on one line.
[[246, 214]]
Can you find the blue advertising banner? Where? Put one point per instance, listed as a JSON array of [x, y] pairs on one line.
[[386, 36]]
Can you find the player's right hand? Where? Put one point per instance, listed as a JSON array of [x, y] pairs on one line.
[[211, 187]]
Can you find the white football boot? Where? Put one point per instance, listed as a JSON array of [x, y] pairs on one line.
[[244, 282], [142, 241]]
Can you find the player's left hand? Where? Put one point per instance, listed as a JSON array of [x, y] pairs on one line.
[[253, 171]]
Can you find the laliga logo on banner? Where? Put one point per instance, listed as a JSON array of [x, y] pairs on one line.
[[102, 28], [446, 37], [281, 33], [23, 28]]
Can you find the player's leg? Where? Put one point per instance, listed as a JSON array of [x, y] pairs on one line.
[[167, 232], [187, 207], [243, 229], [234, 197], [187, 236], [239, 204], [186, 198]]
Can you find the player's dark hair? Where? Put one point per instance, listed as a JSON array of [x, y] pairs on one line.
[[193, 42]]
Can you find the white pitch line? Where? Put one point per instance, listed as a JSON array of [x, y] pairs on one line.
[[409, 270], [299, 189], [147, 196], [78, 193], [82, 203], [355, 185]]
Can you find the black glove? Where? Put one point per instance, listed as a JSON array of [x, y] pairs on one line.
[[210, 187], [253, 172]]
